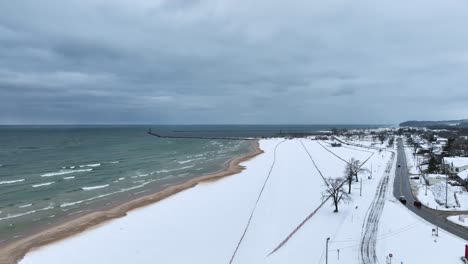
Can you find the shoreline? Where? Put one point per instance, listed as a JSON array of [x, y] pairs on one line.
[[13, 252]]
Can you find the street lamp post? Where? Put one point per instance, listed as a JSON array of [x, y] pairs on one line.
[[446, 191], [326, 252]]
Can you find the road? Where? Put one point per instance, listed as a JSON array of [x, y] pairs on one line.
[[402, 187]]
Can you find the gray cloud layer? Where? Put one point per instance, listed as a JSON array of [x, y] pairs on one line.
[[231, 61]]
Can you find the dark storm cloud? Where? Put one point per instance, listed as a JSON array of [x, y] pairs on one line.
[[232, 61]]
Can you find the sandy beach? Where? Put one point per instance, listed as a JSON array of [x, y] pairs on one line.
[[243, 219], [15, 251]]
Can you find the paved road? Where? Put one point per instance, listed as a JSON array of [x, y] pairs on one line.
[[402, 187]]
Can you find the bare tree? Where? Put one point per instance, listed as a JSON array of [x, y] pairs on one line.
[[336, 192], [352, 169], [382, 137]]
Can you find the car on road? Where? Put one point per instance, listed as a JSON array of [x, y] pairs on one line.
[[417, 204], [402, 199]]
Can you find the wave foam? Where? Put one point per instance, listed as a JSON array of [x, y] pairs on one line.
[[63, 172], [42, 184], [9, 216], [8, 182], [91, 165], [105, 195], [183, 168], [94, 187], [190, 160]]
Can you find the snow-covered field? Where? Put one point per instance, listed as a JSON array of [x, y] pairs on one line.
[[205, 224], [366, 142]]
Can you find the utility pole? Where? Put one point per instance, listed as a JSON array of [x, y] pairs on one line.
[[326, 252], [446, 183], [446, 191]]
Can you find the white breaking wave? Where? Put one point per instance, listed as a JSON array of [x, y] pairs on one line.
[[63, 172], [114, 162], [69, 178], [8, 182], [104, 195], [90, 165], [24, 206], [183, 168], [42, 184], [190, 160], [94, 187], [9, 216]]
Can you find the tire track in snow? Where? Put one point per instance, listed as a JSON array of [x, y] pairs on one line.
[[367, 253], [256, 203]]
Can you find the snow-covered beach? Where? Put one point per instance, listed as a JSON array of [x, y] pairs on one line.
[[241, 219]]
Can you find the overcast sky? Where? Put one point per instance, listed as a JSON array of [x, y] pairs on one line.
[[232, 61]]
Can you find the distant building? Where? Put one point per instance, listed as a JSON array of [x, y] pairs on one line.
[[336, 144], [437, 149], [463, 176], [455, 165], [441, 141]]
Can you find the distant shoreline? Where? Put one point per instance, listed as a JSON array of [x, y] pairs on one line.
[[13, 252]]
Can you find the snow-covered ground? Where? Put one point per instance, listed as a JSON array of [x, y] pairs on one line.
[[366, 142], [409, 239], [204, 224], [459, 220], [434, 197]]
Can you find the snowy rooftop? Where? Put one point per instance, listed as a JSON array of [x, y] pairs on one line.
[[456, 161], [463, 175], [437, 176]]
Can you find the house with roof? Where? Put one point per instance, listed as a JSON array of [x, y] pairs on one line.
[[441, 141], [463, 176], [455, 165]]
